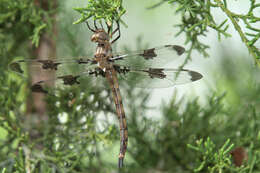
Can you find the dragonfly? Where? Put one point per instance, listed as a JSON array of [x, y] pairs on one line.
[[109, 65]]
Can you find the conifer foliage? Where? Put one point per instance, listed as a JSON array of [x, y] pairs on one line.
[[80, 133]]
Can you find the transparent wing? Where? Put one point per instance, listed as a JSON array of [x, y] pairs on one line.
[[66, 80], [47, 72], [157, 77], [157, 56], [59, 66]]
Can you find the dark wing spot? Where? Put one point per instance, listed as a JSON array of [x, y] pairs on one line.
[[16, 67], [156, 73], [179, 49], [149, 53], [121, 69], [49, 64], [195, 75], [97, 72], [38, 88], [69, 79], [88, 61]]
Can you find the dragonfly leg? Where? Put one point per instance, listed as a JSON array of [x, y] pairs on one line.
[[95, 24], [116, 29], [119, 33], [100, 22], [90, 27], [108, 28]]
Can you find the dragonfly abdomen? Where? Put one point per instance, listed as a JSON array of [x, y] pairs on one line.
[[113, 82]]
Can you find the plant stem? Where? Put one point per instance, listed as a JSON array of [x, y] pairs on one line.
[[239, 30]]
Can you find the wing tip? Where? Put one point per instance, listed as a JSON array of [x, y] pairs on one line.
[[179, 49], [16, 67], [37, 88], [195, 76]]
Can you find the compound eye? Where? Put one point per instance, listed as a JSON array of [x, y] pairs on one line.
[[93, 38]]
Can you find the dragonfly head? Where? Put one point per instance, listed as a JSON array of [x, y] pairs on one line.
[[100, 36]]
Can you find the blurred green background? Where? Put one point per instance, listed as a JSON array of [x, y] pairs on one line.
[[195, 127]]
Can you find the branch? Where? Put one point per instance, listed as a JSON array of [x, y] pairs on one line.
[[108, 10], [233, 17], [197, 18]]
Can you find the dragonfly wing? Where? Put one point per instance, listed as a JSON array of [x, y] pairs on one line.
[[157, 56], [65, 80], [157, 77], [59, 66], [54, 72]]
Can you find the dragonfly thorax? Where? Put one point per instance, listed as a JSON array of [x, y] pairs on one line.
[[104, 51]]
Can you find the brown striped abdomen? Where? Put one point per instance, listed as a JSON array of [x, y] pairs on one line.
[[113, 82]]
